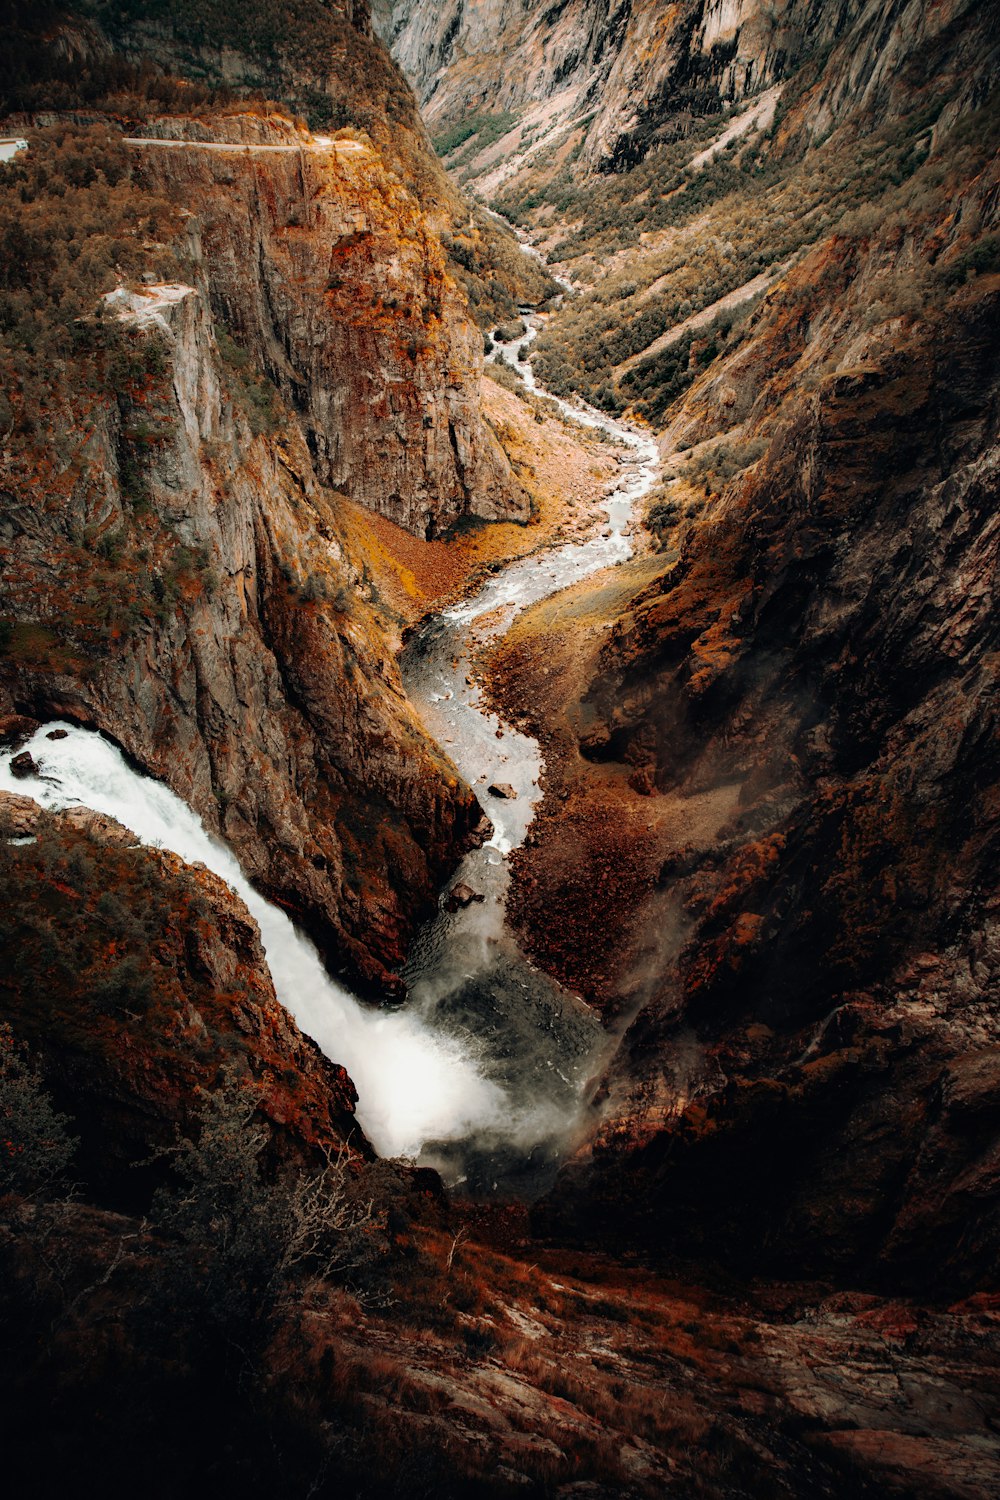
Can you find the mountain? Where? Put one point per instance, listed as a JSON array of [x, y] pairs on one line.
[[249, 443], [178, 570], [778, 755], [630, 76]]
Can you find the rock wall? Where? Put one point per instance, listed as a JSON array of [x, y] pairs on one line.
[[238, 658], [644, 71], [174, 572], [322, 267], [136, 981], [811, 1075]]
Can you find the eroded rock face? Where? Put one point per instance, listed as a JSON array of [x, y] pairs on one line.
[[323, 269], [239, 660], [136, 981], [810, 1077], [644, 71]]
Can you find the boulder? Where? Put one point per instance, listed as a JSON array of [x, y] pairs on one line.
[[18, 816], [462, 895], [24, 765], [502, 789], [15, 729]]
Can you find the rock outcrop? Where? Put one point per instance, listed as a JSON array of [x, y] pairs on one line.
[[782, 762], [810, 1076], [634, 73], [323, 269], [137, 981], [285, 321], [236, 656]]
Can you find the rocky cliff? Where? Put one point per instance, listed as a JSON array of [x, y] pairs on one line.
[[324, 270], [811, 1077], [322, 61], [618, 79], [207, 342], [173, 571], [236, 656]]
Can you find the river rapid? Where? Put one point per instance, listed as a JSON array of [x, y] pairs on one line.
[[541, 1044], [483, 1072]]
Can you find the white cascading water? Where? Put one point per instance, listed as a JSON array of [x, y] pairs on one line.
[[423, 1078], [415, 1084]]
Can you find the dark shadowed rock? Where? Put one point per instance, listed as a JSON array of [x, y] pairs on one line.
[[15, 729], [462, 895]]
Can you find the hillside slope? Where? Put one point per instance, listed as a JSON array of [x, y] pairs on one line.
[[779, 757]]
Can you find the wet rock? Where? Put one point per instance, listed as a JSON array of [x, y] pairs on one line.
[[462, 895], [502, 789], [200, 997], [482, 831], [98, 826], [203, 699], [24, 765], [15, 729], [57, 734]]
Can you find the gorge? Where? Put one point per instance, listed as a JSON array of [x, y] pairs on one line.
[[498, 748]]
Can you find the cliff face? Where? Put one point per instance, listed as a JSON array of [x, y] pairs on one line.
[[324, 271], [789, 770], [804, 706], [324, 62], [632, 74], [178, 580], [136, 981], [285, 321], [498, 54]]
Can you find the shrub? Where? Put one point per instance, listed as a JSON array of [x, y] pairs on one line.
[[238, 1241], [35, 1145]]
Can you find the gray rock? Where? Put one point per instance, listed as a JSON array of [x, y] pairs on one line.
[[462, 895]]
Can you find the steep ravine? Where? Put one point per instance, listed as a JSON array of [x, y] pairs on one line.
[[782, 757], [542, 1044], [774, 759], [484, 1070]]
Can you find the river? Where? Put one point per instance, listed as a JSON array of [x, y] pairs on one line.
[[482, 1073]]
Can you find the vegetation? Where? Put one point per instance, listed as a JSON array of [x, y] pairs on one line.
[[74, 224], [239, 1242], [496, 275], [305, 53], [663, 241], [35, 1145], [258, 397], [487, 129], [36, 76]]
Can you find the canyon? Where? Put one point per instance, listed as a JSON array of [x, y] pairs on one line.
[[498, 750]]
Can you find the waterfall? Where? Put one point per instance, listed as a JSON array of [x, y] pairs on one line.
[[415, 1083], [484, 1073]]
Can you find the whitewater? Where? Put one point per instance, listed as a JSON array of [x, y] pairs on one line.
[[488, 1059]]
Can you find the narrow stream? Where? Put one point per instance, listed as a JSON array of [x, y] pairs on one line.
[[482, 1072], [540, 1043]]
